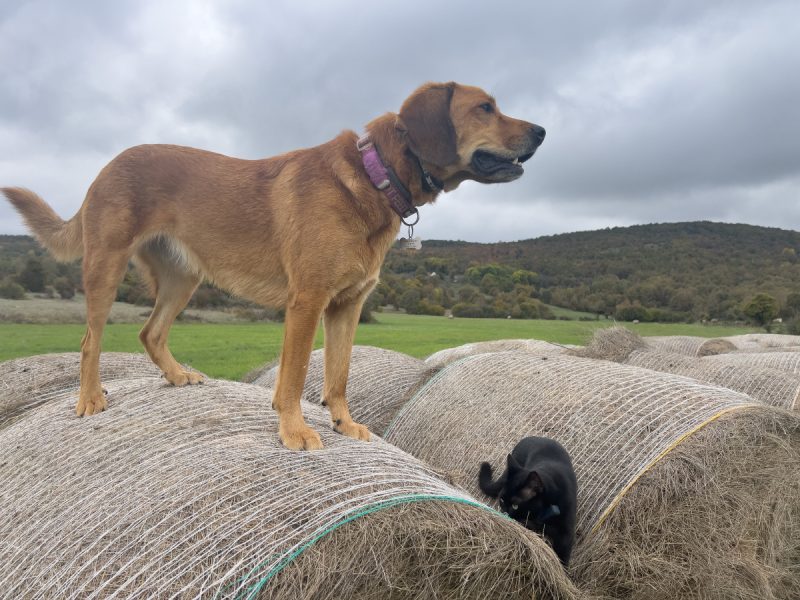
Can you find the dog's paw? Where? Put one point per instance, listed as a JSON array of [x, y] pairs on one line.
[[182, 377], [91, 403], [351, 429], [300, 438]]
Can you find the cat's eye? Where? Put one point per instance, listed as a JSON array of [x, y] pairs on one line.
[[514, 506]]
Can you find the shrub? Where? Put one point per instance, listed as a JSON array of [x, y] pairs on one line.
[[11, 290], [64, 287], [463, 309]]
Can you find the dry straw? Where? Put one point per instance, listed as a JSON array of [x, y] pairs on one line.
[[379, 382], [767, 385], [689, 345], [448, 355], [27, 382], [187, 493], [685, 490]]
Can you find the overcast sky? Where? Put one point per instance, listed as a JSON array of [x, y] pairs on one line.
[[656, 111]]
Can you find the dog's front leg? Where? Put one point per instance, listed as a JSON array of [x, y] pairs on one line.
[[302, 316], [341, 319]]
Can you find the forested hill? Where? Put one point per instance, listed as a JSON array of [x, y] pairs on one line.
[[663, 272], [695, 252], [703, 268]]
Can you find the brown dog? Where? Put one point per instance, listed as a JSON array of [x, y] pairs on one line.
[[307, 230]]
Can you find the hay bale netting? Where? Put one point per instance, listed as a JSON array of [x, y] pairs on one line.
[[685, 490], [187, 492], [448, 355], [766, 385], [378, 384], [757, 342], [787, 362], [689, 345], [27, 382]]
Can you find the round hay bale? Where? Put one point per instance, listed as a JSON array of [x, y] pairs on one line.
[[378, 384], [445, 357], [611, 343], [27, 382], [787, 362], [756, 342], [766, 385], [689, 345], [685, 490], [187, 492]]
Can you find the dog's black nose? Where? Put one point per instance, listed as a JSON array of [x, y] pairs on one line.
[[537, 134]]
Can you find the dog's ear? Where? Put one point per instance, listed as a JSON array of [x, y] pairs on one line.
[[425, 116]]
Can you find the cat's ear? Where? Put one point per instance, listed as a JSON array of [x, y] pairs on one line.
[[534, 483], [512, 463]]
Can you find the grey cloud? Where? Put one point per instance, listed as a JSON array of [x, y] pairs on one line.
[[664, 111]]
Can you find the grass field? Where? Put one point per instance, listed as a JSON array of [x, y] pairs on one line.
[[231, 350]]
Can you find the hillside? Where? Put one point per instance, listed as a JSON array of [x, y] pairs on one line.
[[702, 268], [663, 272]]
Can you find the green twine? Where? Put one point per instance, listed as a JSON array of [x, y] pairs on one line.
[[254, 589]]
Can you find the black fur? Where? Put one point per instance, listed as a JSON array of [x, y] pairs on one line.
[[539, 490]]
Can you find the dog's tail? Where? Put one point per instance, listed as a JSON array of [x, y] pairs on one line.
[[64, 239]]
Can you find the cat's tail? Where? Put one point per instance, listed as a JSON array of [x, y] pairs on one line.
[[64, 239], [489, 487]]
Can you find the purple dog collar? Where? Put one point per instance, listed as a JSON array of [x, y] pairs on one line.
[[382, 180]]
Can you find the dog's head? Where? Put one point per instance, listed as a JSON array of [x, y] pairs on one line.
[[459, 130]]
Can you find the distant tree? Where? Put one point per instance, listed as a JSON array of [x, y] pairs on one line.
[[524, 277], [64, 287], [371, 304], [32, 277], [410, 301], [468, 294], [762, 308], [630, 312], [792, 306]]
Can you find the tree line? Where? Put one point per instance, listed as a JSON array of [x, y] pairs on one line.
[[695, 271]]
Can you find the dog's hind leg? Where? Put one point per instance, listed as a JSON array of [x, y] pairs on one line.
[[103, 269], [174, 283], [303, 311], [340, 322]]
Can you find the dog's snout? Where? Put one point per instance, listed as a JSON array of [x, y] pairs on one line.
[[537, 134]]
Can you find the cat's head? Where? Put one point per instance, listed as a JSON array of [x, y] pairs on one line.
[[523, 496]]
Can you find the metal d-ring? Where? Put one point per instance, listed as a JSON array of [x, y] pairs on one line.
[[416, 214], [411, 225]]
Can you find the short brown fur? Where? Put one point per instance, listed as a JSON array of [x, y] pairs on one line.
[[305, 230]]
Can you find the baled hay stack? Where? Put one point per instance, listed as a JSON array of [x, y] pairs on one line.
[[685, 490], [766, 385], [187, 493], [448, 355], [758, 342], [378, 384], [689, 345], [26, 382], [787, 362]]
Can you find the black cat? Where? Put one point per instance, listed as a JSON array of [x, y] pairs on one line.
[[539, 490]]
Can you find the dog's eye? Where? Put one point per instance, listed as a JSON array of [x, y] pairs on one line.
[[486, 107]]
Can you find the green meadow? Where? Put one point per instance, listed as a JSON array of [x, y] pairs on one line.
[[230, 350]]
